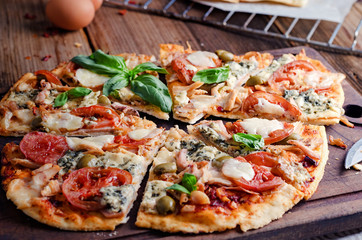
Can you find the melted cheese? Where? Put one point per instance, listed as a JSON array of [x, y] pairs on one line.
[[261, 126], [202, 59], [139, 134], [164, 156], [90, 99], [25, 115], [264, 106], [235, 169], [181, 98], [317, 79], [90, 79], [62, 121], [89, 142]]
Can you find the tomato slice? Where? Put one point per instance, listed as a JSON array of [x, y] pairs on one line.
[[279, 134], [99, 116], [234, 127], [127, 142], [43, 148], [81, 188], [291, 112], [283, 78], [51, 77], [261, 159], [183, 70], [263, 180]]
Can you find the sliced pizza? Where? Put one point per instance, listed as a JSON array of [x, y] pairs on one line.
[[76, 101], [297, 153], [194, 187], [80, 184], [290, 88]]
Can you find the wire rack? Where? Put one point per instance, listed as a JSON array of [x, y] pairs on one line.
[[343, 37]]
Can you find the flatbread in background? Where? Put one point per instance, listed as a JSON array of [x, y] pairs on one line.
[[294, 3]]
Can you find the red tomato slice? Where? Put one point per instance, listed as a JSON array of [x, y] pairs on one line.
[[291, 112], [282, 78], [279, 134], [101, 116], [234, 127], [261, 159], [262, 181], [51, 77], [82, 186], [127, 142], [184, 73], [42, 147]]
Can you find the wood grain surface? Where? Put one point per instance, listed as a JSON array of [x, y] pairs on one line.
[[335, 207]]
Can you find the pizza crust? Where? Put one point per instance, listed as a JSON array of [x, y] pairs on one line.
[[248, 215]]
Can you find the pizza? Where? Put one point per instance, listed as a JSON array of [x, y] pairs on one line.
[[80, 184], [222, 175], [290, 88], [72, 99], [85, 148]]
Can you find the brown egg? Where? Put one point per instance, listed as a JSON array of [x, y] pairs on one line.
[[97, 4], [70, 14]]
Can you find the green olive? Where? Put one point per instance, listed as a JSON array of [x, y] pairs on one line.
[[218, 162], [225, 55], [103, 100], [165, 168], [254, 80], [165, 205], [86, 161], [293, 136], [36, 122]]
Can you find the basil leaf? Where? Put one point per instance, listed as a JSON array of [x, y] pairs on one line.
[[79, 92], [91, 65], [251, 141], [179, 188], [189, 181], [61, 99], [116, 82], [109, 60], [147, 66], [152, 90], [212, 75]]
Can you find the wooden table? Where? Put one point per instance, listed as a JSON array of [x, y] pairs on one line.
[[30, 44]]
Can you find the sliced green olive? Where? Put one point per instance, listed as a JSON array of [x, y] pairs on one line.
[[103, 100], [293, 136], [165, 205], [218, 162], [36, 123], [254, 80], [225, 55], [86, 161], [165, 168]]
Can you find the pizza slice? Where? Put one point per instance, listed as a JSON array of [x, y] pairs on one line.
[[297, 153], [71, 100], [79, 184], [194, 187], [290, 88]]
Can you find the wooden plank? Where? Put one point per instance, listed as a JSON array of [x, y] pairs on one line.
[[22, 38]]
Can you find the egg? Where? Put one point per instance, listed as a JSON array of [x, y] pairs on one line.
[[97, 4], [70, 14]]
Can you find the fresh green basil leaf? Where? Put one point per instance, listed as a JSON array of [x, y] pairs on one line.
[[251, 141], [189, 181], [147, 66], [79, 92], [91, 65], [61, 99], [109, 60], [116, 82], [152, 90], [179, 188], [212, 75]]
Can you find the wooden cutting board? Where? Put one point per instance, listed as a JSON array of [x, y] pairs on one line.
[[335, 207]]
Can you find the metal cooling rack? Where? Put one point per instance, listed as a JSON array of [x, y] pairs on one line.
[[181, 9]]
